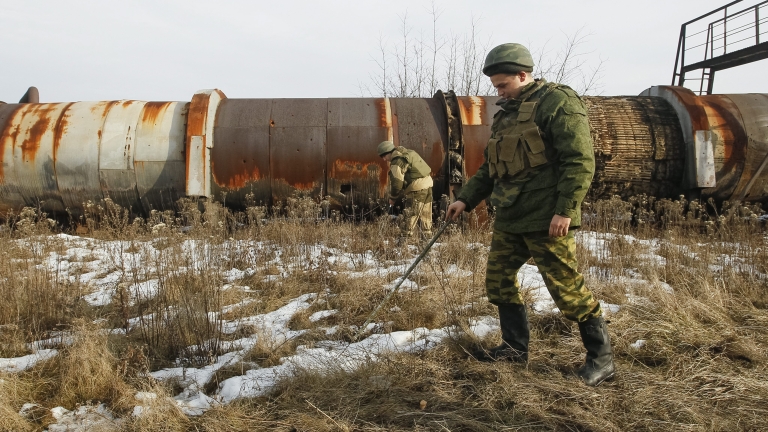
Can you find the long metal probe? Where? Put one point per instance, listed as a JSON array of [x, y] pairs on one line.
[[402, 279]]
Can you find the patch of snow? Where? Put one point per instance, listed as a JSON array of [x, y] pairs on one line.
[[84, 418], [238, 305], [455, 271], [144, 290], [18, 364], [407, 285], [484, 325], [194, 402], [328, 357], [610, 307], [234, 274], [317, 316], [26, 409], [100, 297], [275, 323]]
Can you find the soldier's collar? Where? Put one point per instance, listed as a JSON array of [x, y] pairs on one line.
[[528, 91]]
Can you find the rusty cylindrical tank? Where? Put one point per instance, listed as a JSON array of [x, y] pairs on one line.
[[147, 155]]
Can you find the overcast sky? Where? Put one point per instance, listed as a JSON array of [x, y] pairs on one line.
[[166, 50]]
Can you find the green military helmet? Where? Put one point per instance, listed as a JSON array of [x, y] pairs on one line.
[[509, 58], [385, 147]]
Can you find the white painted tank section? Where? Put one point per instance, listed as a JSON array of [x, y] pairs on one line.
[[116, 158]]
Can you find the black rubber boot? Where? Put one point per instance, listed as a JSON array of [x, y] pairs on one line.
[[598, 366], [515, 334]]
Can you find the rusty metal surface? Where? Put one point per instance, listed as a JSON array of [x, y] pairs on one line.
[[240, 157], [753, 184], [729, 140], [691, 116], [476, 118], [200, 130], [29, 140], [147, 155], [357, 176], [7, 194], [297, 147]]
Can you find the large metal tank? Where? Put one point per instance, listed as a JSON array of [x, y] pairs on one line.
[[725, 141], [147, 155]]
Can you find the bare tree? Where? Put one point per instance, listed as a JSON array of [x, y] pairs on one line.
[[570, 65], [418, 67]]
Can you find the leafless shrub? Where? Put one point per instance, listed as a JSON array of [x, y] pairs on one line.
[[419, 62]]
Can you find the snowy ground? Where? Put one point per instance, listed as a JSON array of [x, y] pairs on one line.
[[102, 265]]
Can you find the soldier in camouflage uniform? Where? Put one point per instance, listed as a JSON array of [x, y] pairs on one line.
[[538, 166], [410, 180]]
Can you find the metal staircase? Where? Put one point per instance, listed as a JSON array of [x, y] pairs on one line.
[[710, 44]]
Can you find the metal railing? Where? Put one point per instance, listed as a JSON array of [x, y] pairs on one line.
[[701, 47]]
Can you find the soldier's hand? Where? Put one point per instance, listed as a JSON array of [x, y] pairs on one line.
[[391, 202], [454, 210], [559, 226]]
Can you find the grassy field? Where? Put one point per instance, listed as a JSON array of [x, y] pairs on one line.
[[143, 325]]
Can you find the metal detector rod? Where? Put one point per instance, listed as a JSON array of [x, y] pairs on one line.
[[402, 279]]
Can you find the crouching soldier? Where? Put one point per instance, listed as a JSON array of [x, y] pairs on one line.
[[538, 167], [410, 180]]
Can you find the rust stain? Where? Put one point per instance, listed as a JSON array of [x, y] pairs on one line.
[[127, 103], [62, 124], [153, 110], [348, 170], [198, 114], [304, 186], [8, 136], [732, 142], [231, 177], [693, 105], [723, 122], [104, 106], [472, 110], [382, 109], [34, 135], [437, 158]]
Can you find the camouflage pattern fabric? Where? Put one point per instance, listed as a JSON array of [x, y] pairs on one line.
[[405, 168], [555, 258], [417, 215], [508, 58], [527, 201]]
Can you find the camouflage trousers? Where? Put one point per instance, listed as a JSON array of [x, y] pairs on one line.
[[417, 214], [555, 258]]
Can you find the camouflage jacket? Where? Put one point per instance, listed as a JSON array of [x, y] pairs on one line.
[[407, 173], [527, 200]]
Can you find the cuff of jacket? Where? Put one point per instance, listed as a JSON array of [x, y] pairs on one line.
[[469, 206], [567, 208]]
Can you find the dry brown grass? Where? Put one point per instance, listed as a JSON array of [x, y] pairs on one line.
[[704, 365], [89, 371]]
